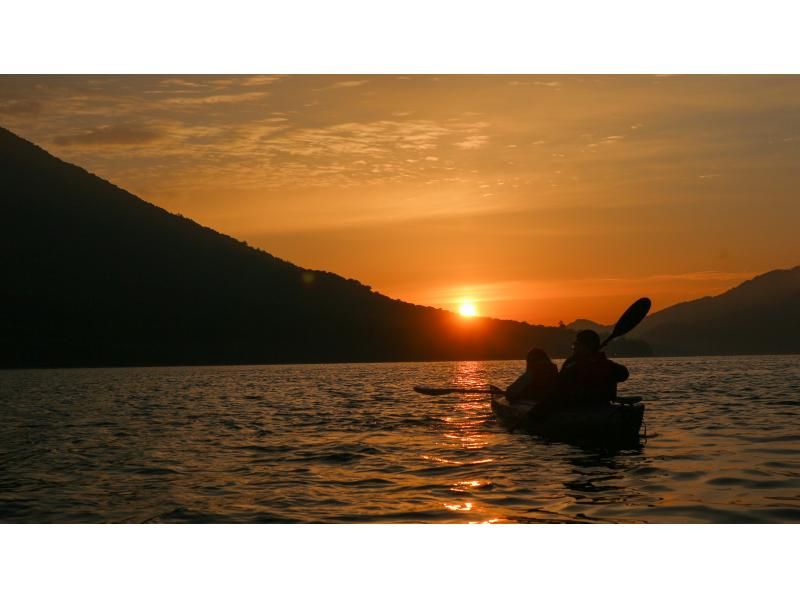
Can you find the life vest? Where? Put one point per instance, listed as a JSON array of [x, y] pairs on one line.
[[545, 377], [537, 383], [592, 379]]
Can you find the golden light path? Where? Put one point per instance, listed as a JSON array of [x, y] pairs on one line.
[[465, 430]]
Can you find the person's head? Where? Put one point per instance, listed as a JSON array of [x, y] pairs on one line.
[[586, 343], [536, 356]]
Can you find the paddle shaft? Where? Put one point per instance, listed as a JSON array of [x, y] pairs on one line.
[[499, 392], [446, 391]]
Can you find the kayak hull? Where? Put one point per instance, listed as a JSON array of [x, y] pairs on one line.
[[606, 425]]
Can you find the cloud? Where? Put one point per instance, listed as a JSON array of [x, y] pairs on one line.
[[231, 98], [371, 138], [21, 107], [472, 142], [551, 84], [180, 83], [608, 140], [272, 152], [112, 135], [195, 83], [256, 80], [346, 84]]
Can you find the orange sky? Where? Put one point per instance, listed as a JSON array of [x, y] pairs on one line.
[[542, 198]]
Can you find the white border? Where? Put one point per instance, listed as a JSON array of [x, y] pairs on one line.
[[418, 36], [397, 37], [398, 560]]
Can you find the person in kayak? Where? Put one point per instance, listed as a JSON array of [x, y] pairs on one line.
[[588, 376], [538, 383]]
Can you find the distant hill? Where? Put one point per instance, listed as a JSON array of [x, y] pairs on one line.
[[582, 324], [761, 315], [94, 276]]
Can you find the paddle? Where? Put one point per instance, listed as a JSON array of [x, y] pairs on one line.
[[630, 319], [493, 390], [427, 390]]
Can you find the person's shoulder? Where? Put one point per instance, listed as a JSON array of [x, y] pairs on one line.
[[601, 356], [612, 362], [522, 379], [620, 371]]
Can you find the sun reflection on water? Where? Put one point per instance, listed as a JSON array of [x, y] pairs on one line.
[[465, 429], [468, 484], [467, 506], [469, 373], [469, 410]]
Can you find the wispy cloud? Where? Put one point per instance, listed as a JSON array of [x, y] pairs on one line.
[[20, 107], [370, 138], [258, 80], [608, 140], [550, 84], [472, 142], [229, 98], [347, 84], [111, 135], [181, 82]]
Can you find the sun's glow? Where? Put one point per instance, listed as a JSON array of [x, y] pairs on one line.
[[467, 309]]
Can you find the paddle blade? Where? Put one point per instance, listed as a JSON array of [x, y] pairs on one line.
[[434, 392], [632, 316]]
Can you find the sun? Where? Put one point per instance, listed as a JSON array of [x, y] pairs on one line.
[[467, 309]]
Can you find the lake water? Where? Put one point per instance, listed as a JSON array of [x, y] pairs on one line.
[[354, 443]]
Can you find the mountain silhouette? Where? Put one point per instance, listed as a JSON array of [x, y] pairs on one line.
[[95, 276], [760, 316], [584, 324]]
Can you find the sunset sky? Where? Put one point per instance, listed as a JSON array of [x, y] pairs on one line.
[[539, 198]]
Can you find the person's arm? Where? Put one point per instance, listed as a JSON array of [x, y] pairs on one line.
[[518, 389], [567, 369], [621, 373]]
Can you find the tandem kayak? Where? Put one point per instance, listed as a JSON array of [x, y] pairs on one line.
[[615, 424]]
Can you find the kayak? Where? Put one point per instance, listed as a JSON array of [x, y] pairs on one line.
[[614, 424]]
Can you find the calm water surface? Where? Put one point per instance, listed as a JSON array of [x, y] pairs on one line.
[[354, 443]]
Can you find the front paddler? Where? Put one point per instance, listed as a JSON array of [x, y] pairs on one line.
[[588, 377]]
